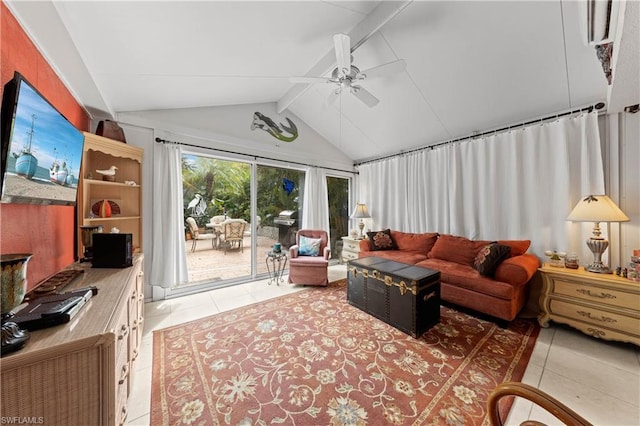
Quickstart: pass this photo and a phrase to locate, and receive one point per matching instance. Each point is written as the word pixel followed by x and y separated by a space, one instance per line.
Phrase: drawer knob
pixel 587 292
pixel 124 374
pixel 594 318
pixel 595 332
pixel 124 331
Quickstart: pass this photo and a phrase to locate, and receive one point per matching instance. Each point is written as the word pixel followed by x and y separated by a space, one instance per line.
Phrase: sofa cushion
pixel 460 250
pixel 466 277
pixel 309 246
pixel 421 243
pixel 409 257
pixel 518 270
pixel 312 261
pixel 489 257
pixel 381 240
pixel 518 247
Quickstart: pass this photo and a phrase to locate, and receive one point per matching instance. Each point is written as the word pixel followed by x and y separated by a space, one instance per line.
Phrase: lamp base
pixel 598 268
pixel 597 245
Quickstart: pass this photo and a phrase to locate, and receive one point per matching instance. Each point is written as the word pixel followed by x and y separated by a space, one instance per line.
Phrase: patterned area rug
pixel 310 358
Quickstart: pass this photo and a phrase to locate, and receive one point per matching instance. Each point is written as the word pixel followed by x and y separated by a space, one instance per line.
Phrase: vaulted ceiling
pixel 471 66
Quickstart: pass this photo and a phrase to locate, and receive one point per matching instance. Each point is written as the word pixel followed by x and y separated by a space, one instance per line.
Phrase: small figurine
pixel 109 174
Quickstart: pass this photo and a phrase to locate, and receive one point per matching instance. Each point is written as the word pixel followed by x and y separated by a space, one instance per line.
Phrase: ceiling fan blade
pixel 342 45
pixel 389 68
pixel 309 80
pixel 365 96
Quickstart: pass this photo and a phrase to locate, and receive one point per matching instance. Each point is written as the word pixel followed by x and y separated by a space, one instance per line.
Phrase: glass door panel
pixel 214 191
pixel 278 207
pixel 338 193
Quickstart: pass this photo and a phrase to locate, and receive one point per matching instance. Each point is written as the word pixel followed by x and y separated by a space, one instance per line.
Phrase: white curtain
pixel 169 258
pixel 520 184
pixel 315 207
pixel 383 188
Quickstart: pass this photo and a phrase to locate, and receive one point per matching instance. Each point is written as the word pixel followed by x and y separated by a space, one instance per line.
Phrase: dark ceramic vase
pixel 12 291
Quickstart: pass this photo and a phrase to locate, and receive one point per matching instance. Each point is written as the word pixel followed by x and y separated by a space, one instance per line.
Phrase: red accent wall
pixel 45 231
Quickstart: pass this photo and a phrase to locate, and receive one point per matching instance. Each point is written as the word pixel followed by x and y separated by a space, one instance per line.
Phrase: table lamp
pixel 360 212
pixel 596 209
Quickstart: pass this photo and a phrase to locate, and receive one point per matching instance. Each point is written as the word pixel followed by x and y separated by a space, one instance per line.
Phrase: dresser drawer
pixel 593 293
pixel 351 245
pixel 347 255
pixel 596 317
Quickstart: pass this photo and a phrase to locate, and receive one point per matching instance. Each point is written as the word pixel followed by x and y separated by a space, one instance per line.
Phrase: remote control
pixel 62 306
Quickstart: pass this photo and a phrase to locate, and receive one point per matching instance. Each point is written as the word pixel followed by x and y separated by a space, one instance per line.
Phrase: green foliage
pixel 223 184
pixel 272 198
pixel 226 188
pixel 338 193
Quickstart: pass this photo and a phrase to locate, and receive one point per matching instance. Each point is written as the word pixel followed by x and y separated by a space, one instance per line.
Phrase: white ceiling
pixel 471 66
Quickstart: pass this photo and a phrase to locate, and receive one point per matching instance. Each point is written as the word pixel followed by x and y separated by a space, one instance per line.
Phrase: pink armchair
pixel 306 269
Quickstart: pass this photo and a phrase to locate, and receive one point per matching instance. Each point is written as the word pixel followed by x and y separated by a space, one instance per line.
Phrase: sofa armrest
pixel 293 251
pixel 518 270
pixel 364 245
pixel 326 253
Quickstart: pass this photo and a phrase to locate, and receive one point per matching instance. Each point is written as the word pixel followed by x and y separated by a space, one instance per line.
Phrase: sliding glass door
pixel 267 199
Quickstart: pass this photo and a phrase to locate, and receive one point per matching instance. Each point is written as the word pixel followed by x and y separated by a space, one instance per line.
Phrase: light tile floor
pixel 598 379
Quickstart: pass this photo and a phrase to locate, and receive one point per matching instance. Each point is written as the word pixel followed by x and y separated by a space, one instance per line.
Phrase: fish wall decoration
pixel 261 121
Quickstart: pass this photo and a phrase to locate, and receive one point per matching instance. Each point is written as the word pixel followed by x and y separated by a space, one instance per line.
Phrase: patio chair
pixel 309 258
pixel 540 398
pixel 233 234
pixel 196 235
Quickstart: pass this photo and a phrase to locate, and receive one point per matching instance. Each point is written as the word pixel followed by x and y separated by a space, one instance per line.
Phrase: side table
pixel 601 305
pixel 350 249
pixel 276 264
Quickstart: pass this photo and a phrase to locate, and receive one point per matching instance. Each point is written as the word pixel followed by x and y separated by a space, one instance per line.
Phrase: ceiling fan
pixel 346 75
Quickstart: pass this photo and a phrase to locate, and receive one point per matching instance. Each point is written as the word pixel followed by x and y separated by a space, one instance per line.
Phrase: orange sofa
pixel 501 295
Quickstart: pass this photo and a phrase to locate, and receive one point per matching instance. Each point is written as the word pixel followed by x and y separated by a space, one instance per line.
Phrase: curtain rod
pixel 253 156
pixel 589 108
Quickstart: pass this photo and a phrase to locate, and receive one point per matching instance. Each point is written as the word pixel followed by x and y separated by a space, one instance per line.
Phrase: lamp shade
pixel 597 208
pixel 360 211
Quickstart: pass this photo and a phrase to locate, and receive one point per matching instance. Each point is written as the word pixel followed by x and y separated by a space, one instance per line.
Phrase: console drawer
pixel 593 293
pixel 596 317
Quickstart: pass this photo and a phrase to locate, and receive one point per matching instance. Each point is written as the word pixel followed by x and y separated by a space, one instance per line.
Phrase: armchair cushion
pixel 309 246
pixel 310 270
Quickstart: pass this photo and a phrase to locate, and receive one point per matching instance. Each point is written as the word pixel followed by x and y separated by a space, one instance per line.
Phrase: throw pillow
pixel 489 257
pixel 456 249
pixel 381 240
pixel 309 246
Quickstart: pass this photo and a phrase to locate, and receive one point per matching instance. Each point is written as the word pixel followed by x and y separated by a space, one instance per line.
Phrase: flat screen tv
pixel 41 149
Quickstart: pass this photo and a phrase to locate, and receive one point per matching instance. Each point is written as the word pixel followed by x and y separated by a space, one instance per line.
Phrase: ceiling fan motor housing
pixel 336 75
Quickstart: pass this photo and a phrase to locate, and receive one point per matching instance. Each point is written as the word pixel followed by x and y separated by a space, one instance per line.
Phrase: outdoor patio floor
pixel 207 264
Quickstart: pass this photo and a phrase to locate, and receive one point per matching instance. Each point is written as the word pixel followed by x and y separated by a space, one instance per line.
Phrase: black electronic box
pixel 112 250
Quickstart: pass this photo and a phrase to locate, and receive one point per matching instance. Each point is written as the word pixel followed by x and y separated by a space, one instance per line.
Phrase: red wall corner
pixel 48 232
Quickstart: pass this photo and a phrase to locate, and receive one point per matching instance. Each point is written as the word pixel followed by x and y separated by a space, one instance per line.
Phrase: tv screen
pixel 41 149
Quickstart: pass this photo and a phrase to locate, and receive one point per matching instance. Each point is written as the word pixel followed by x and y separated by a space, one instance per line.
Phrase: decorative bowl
pixel 14 281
